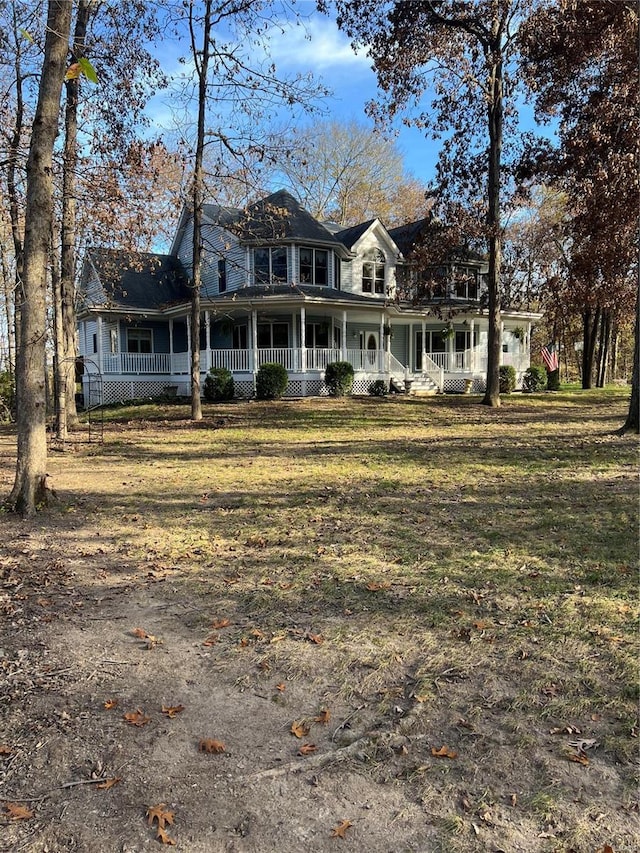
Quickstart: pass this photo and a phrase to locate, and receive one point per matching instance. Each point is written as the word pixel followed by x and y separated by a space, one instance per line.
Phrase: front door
pixel 372 346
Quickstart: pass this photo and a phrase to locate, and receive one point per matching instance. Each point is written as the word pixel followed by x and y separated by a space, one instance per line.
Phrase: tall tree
pixel 465 49
pixel 582 64
pixel 29 488
pixel 347 172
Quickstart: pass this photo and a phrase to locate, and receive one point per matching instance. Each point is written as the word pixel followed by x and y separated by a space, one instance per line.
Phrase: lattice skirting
pixel 458 385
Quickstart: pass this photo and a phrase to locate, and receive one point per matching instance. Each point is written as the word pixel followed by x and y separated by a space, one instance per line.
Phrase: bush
pixel 338 378
pixel 271 381
pixel 507 378
pixel 218 385
pixel 553 380
pixel 378 388
pixel 7 396
pixel 534 379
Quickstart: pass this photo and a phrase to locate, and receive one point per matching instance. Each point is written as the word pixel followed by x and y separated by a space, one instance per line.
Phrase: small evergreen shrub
pixel 218 385
pixel 553 380
pixel 378 388
pixel 271 381
pixel 534 379
pixel 507 378
pixel 7 396
pixel 338 378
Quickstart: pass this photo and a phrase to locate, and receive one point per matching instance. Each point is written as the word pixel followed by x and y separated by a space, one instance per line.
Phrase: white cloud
pixel 315 45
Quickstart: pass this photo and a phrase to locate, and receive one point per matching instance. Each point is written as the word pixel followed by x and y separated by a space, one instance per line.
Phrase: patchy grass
pixel 430 567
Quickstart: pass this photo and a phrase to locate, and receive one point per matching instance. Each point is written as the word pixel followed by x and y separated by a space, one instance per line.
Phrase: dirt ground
pixel 91 632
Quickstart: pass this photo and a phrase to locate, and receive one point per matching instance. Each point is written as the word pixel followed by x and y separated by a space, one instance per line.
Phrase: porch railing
pixel 136 362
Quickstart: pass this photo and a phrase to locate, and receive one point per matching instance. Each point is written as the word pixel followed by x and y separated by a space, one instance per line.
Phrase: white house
pixel 279 286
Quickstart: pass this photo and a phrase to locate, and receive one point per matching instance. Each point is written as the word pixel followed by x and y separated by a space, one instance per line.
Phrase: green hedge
pixel 534 379
pixel 338 378
pixel 271 381
pixel 218 385
pixel 507 378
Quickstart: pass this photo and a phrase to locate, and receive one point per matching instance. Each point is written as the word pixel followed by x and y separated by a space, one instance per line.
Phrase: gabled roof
pixel 280 216
pixel 136 280
pixel 349 236
pixel 406 236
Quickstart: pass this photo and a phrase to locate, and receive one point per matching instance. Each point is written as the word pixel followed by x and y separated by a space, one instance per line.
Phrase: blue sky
pixel 321 48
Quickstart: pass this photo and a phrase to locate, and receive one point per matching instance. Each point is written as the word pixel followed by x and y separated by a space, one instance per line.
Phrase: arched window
pixel 373 271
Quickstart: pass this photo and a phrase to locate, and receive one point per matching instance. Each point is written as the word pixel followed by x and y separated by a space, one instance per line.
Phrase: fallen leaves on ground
pixel 211 745
pixel 578 757
pixel 17 812
pixel 108 783
pixel 281 687
pixel 217 624
pixel 374 586
pixel 159 814
pixel 340 830
pixel 136 718
pixel 307 749
pixel 110 704
pixel 323 717
pixel 5 750
pixel 299 728
pixel 172 710
pixel 150 640
pixel 163 838
pixel 316 639
pixel 443 752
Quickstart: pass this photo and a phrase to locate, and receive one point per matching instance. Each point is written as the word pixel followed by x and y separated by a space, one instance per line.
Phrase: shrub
pixel 338 378
pixel 553 380
pixel 218 385
pixel 507 378
pixel 7 396
pixel 271 381
pixel 378 388
pixel 534 379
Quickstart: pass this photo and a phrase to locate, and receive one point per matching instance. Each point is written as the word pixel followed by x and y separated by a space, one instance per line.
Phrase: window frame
pixel 264 274
pixel 375 284
pixel 314 269
pixel 134 333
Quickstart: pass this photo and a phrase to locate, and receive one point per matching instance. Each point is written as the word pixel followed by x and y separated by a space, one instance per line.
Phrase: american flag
pixel 550 357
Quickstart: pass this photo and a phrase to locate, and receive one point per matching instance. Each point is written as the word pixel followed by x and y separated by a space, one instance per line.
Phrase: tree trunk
pixel 495 118
pixel 589 326
pixel 603 348
pixel 29 489
pixel 201 59
pixel 68 254
pixel 632 423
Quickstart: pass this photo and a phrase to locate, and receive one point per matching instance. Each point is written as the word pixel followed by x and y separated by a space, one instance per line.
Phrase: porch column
pixel 410 336
pixel 381 344
pixel 423 354
pixel 171 345
pixel 527 346
pixel 189 344
pixel 254 342
pixel 207 338
pixel 451 350
pixel 344 336
pixel 99 342
pixel 303 339
pixel 501 340
pixel 472 357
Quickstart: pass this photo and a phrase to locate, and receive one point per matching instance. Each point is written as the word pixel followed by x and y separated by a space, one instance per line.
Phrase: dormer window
pixel 466 283
pixel 373 271
pixel 314 264
pixel 270 265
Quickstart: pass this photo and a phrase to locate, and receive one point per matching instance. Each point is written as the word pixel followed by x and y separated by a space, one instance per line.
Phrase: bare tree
pixel 29 490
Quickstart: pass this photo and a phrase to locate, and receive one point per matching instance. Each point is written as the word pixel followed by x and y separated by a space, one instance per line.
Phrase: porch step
pixel 397 386
pixel 423 387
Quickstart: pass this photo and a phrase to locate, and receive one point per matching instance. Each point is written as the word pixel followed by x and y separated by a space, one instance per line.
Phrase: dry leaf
pixel 443 752
pixel 108 783
pixel 73 72
pixel 514 800
pixel 5 750
pixel 257 633
pixel 162 836
pixel 140 633
pixel 211 746
pixel 323 717
pixel 307 749
pixel 110 704
pixel 211 640
pixel 172 710
pixel 299 728
pixel 217 624
pixel 282 686
pixel 158 813
pixel 17 812
pixel 264 665
pixel 136 718
pixel 340 830
pixel 318 639
pixel 373 586
pixel 578 757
